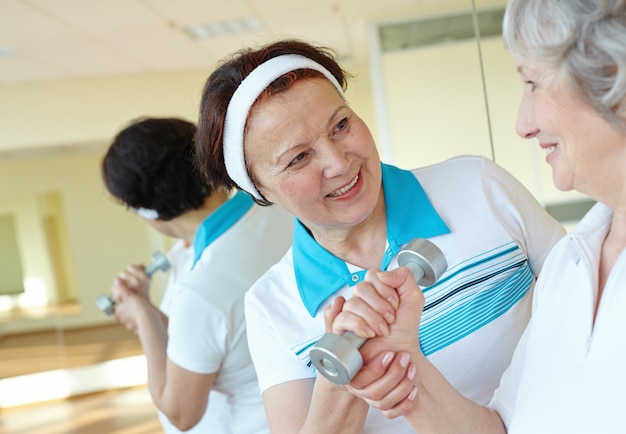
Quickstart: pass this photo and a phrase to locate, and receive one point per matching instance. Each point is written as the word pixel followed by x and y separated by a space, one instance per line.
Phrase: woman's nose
pixel 525 126
pixel 335 159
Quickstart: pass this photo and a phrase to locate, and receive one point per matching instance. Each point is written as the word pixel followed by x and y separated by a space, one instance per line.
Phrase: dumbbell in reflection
pixel 337 357
pixel 159 262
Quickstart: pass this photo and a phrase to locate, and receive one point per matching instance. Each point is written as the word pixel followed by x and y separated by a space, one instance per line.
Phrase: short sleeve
pixel 197 334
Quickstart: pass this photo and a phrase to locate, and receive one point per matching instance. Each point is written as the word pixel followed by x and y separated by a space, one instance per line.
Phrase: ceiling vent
pixel 412 34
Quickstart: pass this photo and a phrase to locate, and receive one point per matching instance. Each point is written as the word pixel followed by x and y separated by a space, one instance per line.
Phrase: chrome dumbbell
pixel 337 357
pixel 159 262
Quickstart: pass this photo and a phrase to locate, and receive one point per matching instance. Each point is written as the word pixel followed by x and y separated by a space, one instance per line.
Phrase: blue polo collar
pixel 319 273
pixel 219 221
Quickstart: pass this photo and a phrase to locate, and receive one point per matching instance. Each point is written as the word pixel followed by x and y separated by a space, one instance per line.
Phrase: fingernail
pixel 387 359
pixel 393 302
pixel 413 394
pixel 405 358
pixel 412 372
pixel 389 317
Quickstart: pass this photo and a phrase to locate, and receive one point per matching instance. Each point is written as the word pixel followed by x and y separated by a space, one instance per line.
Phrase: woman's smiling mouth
pixel 343 190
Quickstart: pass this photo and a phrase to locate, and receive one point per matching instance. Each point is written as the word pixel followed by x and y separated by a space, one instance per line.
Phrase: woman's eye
pixel 531 84
pixel 341 124
pixel 340 127
pixel 298 159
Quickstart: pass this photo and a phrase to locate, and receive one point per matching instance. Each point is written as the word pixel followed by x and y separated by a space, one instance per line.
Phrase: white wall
pixel 437 109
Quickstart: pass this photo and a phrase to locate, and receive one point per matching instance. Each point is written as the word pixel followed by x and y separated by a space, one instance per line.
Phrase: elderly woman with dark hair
pixel 195 340
pixel 275 122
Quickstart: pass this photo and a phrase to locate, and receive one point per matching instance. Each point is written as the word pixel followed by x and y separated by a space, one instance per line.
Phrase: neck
pixel 362 245
pixel 187 223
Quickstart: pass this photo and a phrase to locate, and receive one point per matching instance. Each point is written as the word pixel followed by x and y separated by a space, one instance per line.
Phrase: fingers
pixel 134 276
pixel 370 310
pixel 399 278
pixel 126 315
pixel 118 290
pixel 331 311
pixel 386 295
pixel 411 296
pixel 135 279
pixel 373 370
pixel 386 383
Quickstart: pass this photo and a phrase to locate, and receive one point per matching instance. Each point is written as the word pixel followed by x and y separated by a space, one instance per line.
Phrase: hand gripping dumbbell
pixel 159 262
pixel 336 356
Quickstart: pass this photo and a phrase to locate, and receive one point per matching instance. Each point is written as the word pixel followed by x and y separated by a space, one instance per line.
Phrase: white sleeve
pixel 505 396
pixel 197 334
pixel 273 362
pixel 521 214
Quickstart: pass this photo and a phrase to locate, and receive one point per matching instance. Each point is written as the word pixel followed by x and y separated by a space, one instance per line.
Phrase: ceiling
pixel 65 39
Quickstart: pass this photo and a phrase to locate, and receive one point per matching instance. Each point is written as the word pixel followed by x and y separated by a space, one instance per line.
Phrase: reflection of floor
pixel 40 351
pixel 126 411
pixel 34 368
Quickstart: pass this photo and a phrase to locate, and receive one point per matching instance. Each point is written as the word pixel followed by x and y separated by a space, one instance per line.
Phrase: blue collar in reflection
pixel 219 221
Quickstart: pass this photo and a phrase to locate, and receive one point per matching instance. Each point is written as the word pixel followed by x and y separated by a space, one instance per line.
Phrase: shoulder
pixel 457 169
pixel 278 282
pixel 454 176
pixel 271 223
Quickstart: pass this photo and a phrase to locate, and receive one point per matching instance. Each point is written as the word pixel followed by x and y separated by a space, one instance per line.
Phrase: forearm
pixel 334 410
pixel 313 406
pixel 152 334
pixel 440 409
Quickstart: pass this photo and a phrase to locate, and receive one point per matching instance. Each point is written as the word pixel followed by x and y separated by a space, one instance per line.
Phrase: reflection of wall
pixel 53 220
pixel 11 276
pixel 74 125
pixel 39 241
pixel 101 236
pixel 33 252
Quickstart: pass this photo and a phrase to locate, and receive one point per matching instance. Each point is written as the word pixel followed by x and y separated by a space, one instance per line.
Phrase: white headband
pixel 148 214
pixel 243 99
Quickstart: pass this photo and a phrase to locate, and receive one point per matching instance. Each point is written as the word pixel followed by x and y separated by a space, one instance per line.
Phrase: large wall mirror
pixel 62 241
pixel 441 85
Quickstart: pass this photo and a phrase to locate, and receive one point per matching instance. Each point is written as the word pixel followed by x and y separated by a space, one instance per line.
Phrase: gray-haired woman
pixel 567 374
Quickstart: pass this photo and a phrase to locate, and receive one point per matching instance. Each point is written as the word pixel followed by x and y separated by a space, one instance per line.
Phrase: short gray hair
pixel 584 39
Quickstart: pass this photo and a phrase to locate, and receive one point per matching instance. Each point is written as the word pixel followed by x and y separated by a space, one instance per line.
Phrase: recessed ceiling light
pixel 223 28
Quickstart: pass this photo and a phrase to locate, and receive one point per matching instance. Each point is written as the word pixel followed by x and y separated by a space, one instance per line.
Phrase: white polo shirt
pixel 216 418
pixel 494 236
pixel 233 247
pixel 568 374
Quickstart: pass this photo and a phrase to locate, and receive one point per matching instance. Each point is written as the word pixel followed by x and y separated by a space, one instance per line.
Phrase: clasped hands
pixel 130 290
pixel 386 307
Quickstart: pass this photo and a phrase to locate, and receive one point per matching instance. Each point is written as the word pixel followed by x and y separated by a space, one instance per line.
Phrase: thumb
pixel 331 311
pixel 400 278
pixel 408 290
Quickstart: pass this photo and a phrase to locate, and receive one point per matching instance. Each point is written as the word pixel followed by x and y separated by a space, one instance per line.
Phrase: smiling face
pixel 309 153
pixel 586 152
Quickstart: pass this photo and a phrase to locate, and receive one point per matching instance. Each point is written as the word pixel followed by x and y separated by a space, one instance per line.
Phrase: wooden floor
pixel 125 411
pixel 128 411
pixel 28 353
